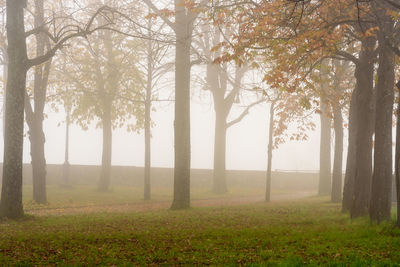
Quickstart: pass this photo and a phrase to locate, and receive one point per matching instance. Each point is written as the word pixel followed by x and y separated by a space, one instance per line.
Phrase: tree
pixel 374 19
pixel 337 174
pixel 109 88
pixel 19 64
pixel 185 14
pixel 11 195
pixel 284 111
pixel 324 186
pixel 381 199
pixel 348 189
pixel 154 69
pixel 341 83
pixel 299 40
pixel 66 165
pixel 225 89
pixel 35 114
pixel 335 79
pixel 397 158
pixel 364 74
pixel 269 151
pixel 389 43
pixel 62 94
pixel 3 59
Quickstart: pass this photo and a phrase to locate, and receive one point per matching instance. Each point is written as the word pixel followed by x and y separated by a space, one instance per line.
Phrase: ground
pixel 230 230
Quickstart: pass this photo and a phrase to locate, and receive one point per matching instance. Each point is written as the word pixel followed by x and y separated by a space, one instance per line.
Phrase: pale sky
pixel 246 142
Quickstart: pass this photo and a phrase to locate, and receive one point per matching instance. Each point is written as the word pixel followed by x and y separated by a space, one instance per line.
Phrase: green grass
pixel 309 232
pixel 60 197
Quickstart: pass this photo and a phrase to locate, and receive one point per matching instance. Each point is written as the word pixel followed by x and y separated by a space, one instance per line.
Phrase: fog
pixel 199 133
pixel 246 141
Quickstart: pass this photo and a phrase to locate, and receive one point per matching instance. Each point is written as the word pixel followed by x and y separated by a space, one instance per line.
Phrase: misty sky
pixel 246 142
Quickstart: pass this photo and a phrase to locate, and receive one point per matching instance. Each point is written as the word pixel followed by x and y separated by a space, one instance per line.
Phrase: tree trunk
pixel 219 175
pixel 270 148
pixel 183 30
pixel 105 175
pixel 37 139
pixel 364 93
pixel 216 80
pixel 397 158
pixel 348 189
pixel 324 187
pixel 11 196
pixel 337 176
pixel 66 167
pixel 5 75
pixel 394 192
pixel 35 117
pixel 381 191
pixel 147 152
pixel 147 125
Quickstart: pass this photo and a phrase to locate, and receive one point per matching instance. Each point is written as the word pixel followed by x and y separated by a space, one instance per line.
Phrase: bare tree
pixel 183 27
pixel 35 111
pixel 19 64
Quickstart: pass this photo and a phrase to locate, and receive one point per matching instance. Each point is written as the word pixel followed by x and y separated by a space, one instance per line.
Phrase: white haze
pixel 246 142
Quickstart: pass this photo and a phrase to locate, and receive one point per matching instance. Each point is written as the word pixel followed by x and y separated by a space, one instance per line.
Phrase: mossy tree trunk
pixel 364 92
pixel 183 31
pixel 397 159
pixel 11 193
pixel 381 190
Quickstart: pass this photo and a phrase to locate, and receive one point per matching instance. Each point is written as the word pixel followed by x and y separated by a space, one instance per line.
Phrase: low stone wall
pixel 133 176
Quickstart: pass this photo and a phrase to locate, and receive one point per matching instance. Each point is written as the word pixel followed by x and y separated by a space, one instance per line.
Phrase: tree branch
pixel 348 56
pixel 150 4
pixel 60 43
pixel 244 113
pixel 28 110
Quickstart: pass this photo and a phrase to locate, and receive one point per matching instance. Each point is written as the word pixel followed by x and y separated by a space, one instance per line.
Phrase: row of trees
pixel 106 71
pixel 306 52
pixel 303 36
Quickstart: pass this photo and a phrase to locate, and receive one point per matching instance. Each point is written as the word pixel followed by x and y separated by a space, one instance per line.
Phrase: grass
pixel 86 195
pixel 308 232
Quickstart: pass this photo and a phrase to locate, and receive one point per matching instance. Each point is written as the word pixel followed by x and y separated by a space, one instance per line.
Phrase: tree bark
pixel 183 30
pixel 147 124
pixel 35 117
pixel 381 191
pixel 348 189
pixel 364 93
pixel 219 174
pixel 394 191
pixel 217 81
pixel 105 175
pixel 217 78
pixel 37 139
pixel 66 166
pixel 337 176
pixel 5 75
pixel 11 196
pixel 324 187
pixel 270 148
pixel 397 158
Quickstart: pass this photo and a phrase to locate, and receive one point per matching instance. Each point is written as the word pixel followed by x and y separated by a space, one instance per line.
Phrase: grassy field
pixel 310 231
pixel 88 195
